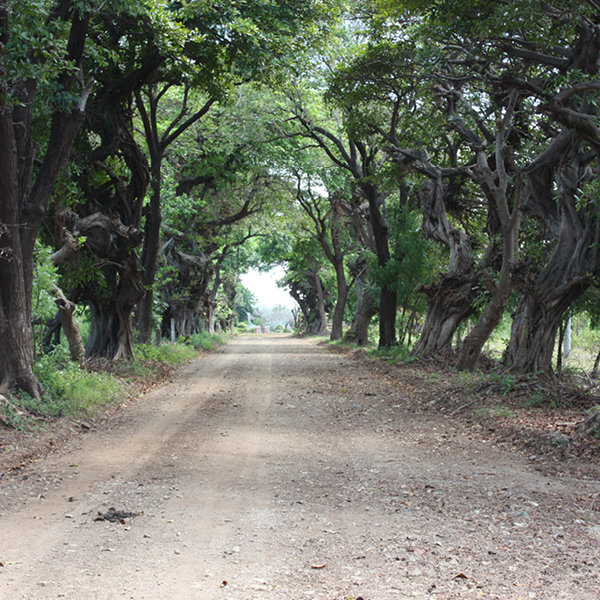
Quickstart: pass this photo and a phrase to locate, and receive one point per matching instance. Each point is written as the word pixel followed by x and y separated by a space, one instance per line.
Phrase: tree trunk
pixel 24 195
pixel 150 254
pixel 321 328
pixel 561 339
pixel 16 349
pixel 51 337
pixel 472 345
pixel 388 299
pixel 157 145
pixel 111 333
pixel 450 302
pixel 571 269
pixel 211 299
pixel 594 373
pixel 210 316
pixel 470 349
pixel 182 322
pixel 540 312
pixel 337 324
pixel 388 302
pixel 70 326
pixel 536 322
pixel 104 330
pixel 337 259
pixel 366 307
pixel 113 244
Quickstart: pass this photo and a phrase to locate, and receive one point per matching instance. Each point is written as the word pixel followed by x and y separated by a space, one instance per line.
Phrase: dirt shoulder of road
pixel 42 436
pixel 531 416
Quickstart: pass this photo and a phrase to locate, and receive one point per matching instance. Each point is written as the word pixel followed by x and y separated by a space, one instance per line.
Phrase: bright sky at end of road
pixel 265 290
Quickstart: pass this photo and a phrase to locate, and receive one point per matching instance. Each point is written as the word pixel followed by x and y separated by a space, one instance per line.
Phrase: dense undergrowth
pixel 70 391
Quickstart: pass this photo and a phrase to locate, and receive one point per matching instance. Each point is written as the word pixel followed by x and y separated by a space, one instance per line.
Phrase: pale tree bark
pixel 66 308
pixel 366 306
pixel 498 184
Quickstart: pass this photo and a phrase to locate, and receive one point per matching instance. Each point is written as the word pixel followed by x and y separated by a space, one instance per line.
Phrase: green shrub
pixel 496 411
pixel 536 400
pixel 392 354
pixel 165 353
pixel 205 341
pixel 68 389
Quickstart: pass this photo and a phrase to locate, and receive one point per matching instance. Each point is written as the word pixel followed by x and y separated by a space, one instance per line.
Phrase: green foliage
pixel 536 400
pixel 68 389
pixel 245 303
pixel 589 303
pixel 169 354
pixel 44 277
pixel 502 412
pixel 259 321
pixel 505 384
pixel 36 42
pixel 410 264
pixel 205 341
pixel 392 354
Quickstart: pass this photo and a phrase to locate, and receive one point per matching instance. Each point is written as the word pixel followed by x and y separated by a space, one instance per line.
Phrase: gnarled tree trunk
pixel 66 308
pixel 337 322
pixel 450 299
pixel 366 308
pixel 185 292
pixel 113 244
pixel 499 184
pixel 570 270
pixel 539 314
pixel 311 297
pixel 111 332
pixel 449 303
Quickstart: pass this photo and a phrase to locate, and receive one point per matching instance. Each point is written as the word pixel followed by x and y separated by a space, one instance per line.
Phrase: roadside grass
pixel 69 391
pixel 206 341
pixel 170 354
pixel 393 354
pixel 503 412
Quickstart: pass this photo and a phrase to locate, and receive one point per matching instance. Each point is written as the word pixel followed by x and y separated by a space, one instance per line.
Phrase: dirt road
pixel 279 470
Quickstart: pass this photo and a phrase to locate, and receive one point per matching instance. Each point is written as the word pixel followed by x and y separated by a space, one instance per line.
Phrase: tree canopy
pixel 417 163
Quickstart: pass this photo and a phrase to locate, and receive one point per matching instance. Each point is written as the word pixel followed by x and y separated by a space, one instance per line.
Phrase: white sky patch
pixel 264 287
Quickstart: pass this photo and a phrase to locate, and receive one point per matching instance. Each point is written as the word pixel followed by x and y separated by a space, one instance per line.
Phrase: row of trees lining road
pixel 428 162
pixel 83 67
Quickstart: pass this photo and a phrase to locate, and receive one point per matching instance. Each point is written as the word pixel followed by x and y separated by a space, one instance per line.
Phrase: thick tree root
pixel 19 411
pixel 589 427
